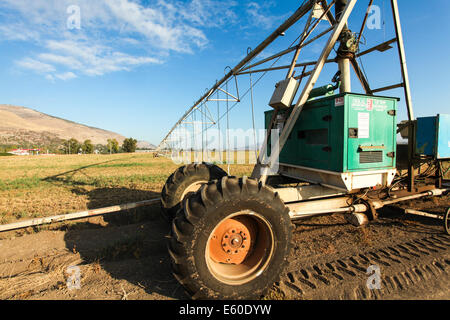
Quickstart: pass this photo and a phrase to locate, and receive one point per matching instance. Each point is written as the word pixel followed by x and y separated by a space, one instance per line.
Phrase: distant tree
pixel 129 145
pixel 87 147
pixel 71 146
pixel 113 146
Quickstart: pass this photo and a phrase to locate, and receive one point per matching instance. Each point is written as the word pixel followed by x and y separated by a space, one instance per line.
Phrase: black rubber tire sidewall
pixel 446 218
pixel 180 180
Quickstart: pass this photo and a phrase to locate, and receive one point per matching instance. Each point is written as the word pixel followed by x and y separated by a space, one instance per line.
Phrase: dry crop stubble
pixel 39 186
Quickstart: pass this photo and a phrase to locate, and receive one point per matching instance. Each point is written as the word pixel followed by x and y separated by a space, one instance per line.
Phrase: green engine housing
pixel 342 133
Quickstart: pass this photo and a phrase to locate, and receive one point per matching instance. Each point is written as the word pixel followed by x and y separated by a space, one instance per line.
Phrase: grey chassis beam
pixel 304 9
pixel 262 172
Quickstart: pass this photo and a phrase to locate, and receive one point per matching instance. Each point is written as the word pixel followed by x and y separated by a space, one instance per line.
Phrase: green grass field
pixel 49 185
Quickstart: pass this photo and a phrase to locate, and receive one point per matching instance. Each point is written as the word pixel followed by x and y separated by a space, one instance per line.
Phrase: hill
pixel 145 145
pixel 24 126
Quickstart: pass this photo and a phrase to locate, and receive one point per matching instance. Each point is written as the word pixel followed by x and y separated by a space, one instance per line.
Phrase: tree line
pixel 73 146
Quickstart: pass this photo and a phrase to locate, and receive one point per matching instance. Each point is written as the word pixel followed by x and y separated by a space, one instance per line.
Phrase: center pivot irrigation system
pixel 336 153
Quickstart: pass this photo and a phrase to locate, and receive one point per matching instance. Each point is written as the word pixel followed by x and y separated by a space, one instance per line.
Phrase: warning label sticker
pixel 339 101
pixel 363 125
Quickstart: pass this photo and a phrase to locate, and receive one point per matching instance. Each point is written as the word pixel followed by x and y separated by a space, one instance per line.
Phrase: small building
pixel 25 152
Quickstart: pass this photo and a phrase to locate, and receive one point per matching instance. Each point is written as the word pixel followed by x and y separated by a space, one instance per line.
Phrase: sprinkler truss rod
pixel 76 215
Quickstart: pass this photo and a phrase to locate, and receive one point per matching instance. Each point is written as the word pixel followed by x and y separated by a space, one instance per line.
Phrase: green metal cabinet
pixel 342 133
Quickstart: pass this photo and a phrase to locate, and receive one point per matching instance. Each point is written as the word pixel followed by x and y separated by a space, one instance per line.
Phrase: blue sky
pixel 134 66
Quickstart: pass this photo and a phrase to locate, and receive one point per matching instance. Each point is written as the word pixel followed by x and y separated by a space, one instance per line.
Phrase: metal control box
pixel 433 136
pixel 284 94
pixel 341 134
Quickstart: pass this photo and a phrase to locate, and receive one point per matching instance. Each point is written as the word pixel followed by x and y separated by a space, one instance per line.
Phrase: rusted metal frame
pixel 402 56
pixel 304 9
pixel 364 22
pixel 394 86
pixel 377 47
pixel 306 91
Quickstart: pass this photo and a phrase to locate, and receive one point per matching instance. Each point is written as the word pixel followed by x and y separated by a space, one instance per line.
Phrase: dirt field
pixel 124 256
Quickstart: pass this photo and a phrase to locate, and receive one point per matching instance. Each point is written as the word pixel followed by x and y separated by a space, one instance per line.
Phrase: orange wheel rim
pixel 231 242
pixel 240 248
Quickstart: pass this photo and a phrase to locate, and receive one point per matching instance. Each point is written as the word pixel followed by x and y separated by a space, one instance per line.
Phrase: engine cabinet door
pixel 371 133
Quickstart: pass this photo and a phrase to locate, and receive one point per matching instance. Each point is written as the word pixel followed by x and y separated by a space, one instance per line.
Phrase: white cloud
pixel 169 25
pixel 115 35
pixel 17 31
pixel 68 61
pixel 35 65
pixel 258 16
pixel 66 76
pixel 93 60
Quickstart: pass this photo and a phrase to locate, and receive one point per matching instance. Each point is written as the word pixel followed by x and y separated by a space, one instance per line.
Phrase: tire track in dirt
pixel 418 265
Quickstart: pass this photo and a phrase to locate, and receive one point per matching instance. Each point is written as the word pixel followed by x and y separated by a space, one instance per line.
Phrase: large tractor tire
pixel 186 180
pixel 447 222
pixel 230 240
